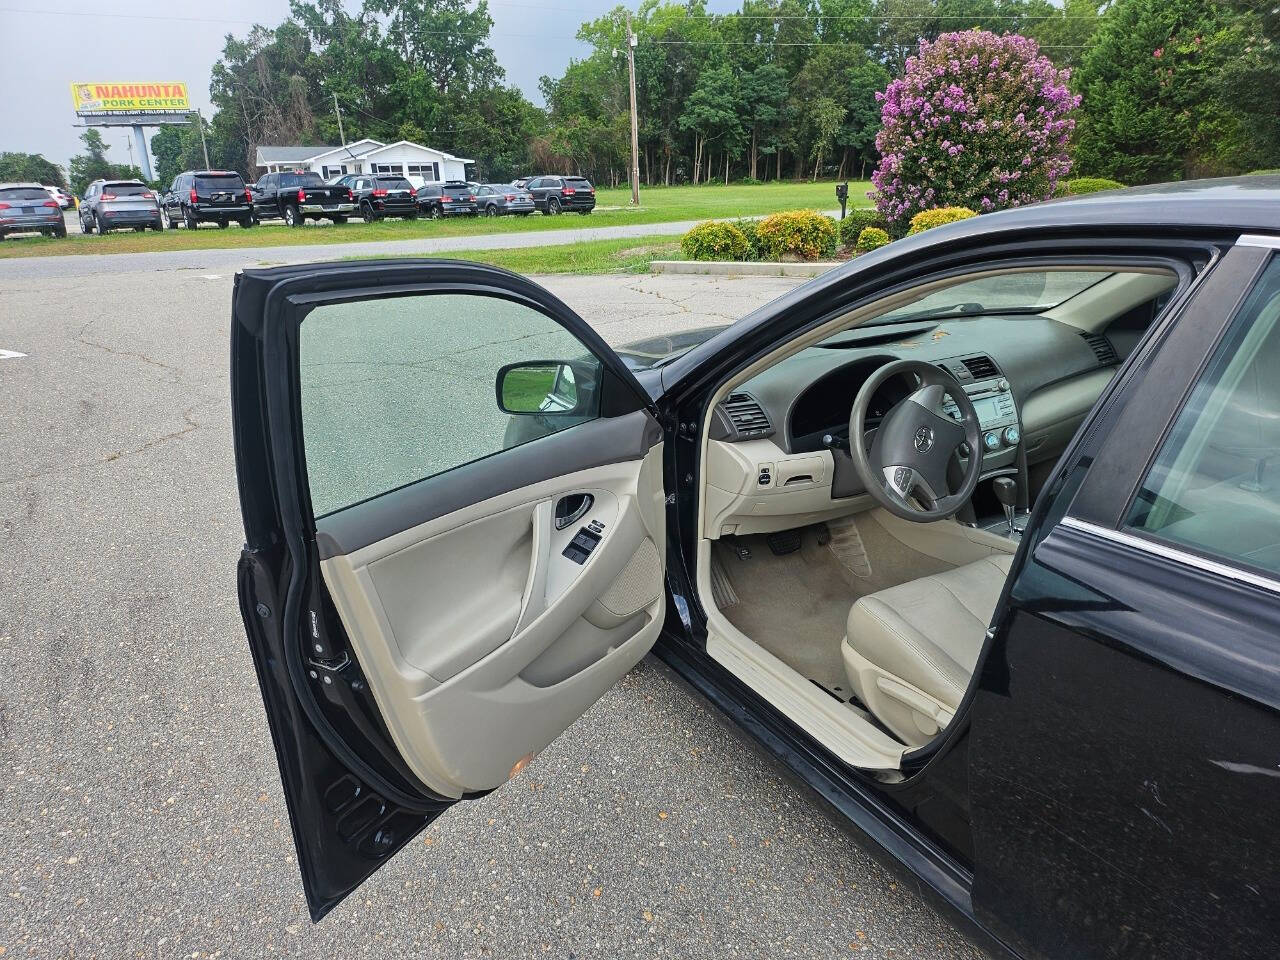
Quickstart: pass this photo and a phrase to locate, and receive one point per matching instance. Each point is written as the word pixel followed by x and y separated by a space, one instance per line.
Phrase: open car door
pixel 454 523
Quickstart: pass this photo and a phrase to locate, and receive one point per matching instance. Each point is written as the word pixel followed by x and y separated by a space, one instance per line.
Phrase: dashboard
pixel 778 453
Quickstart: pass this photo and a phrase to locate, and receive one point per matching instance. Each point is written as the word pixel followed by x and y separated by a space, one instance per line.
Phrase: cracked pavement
pixel 140 805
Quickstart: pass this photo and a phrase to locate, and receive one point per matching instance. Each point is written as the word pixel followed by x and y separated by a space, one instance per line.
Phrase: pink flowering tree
pixel 978 121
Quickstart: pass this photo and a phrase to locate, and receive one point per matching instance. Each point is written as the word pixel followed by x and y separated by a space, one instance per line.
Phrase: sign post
pixel 135 105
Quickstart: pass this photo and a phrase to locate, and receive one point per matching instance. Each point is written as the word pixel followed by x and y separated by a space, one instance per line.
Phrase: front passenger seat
pixel 911 649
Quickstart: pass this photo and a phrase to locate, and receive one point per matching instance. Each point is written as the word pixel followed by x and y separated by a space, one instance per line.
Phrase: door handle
pixel 534 600
pixel 571 509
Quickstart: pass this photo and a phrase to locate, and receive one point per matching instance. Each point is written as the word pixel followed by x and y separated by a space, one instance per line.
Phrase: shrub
pixel 715 240
pixel 1083 185
pixel 857 220
pixel 803 233
pixel 976 120
pixel 1263 173
pixel 870 238
pixel 750 182
pixel 928 219
pixel 750 228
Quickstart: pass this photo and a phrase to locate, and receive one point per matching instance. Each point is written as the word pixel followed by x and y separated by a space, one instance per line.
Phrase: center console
pixel 993 401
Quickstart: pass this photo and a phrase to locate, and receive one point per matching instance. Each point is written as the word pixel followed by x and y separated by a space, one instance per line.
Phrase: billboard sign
pixel 104 100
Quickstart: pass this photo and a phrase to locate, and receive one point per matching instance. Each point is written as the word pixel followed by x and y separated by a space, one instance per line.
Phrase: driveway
pixel 140 807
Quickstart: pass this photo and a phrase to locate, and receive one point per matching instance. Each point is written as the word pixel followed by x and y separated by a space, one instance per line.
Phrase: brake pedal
pixel 784 542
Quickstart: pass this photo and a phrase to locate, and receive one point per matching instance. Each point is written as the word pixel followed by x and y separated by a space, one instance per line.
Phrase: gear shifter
pixel 1006 491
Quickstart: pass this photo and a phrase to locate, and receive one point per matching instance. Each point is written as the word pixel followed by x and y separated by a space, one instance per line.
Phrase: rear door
pixel 220 189
pixel 454 522
pixel 1125 742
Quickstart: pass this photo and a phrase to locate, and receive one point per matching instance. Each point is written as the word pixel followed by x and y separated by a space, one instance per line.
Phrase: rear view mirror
pixel 545 387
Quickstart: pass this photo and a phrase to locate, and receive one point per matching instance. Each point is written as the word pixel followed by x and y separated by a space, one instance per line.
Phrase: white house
pixel 418 163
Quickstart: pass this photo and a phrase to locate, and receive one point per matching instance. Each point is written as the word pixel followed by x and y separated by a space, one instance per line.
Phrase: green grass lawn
pixel 657 205
pixel 630 255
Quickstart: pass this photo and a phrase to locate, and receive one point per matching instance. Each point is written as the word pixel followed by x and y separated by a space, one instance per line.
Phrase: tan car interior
pixel 474 673
pixel 866 628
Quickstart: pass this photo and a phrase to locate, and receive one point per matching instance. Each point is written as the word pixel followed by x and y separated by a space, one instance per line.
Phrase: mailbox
pixel 842 194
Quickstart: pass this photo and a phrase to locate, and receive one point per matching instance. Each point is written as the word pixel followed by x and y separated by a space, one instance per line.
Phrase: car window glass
pixel 1215 484
pixel 11 194
pixel 395 390
pixel 219 182
pixel 128 189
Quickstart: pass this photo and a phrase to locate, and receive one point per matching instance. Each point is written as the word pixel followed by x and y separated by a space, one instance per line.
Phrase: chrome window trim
pixel 1258 240
pixel 1167 552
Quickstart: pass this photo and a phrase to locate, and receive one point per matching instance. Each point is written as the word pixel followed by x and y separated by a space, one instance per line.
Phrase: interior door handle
pixel 571 509
pixel 535 588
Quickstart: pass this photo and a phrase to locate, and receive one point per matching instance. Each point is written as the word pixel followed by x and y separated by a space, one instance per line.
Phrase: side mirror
pixel 541 387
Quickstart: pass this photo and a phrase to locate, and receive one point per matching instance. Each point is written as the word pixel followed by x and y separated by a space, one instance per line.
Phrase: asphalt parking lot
pixel 140 806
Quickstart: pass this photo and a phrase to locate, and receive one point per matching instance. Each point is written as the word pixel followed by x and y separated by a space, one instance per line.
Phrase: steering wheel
pixel 914 444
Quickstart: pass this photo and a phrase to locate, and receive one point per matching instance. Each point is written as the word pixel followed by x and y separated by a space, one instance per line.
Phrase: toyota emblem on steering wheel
pixel 923 440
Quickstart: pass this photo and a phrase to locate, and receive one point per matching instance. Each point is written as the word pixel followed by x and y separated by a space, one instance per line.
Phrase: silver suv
pixel 28 208
pixel 110 204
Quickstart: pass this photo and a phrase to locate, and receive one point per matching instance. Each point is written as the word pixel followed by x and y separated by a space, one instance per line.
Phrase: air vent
pixel 1102 349
pixel 746 415
pixel 981 367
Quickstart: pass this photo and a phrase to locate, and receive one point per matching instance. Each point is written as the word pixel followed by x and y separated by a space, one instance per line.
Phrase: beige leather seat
pixel 911 649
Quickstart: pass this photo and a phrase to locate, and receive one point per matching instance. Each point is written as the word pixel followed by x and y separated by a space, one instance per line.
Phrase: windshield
pixel 393 183
pixel 126 189
pixel 1031 292
pixel 301 180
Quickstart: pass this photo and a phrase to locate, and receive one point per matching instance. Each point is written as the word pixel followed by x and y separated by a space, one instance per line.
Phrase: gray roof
pixel 290 154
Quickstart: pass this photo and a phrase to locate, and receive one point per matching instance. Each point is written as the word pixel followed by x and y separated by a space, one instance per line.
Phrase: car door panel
pixel 1122 750
pixel 419 641
pixel 465 693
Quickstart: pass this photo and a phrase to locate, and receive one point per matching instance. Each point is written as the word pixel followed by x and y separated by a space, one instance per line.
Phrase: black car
pixel 208 196
pixel 978 533
pixel 553 195
pixel 452 198
pixel 296 196
pixel 378 197
pixel 497 199
pixel 28 208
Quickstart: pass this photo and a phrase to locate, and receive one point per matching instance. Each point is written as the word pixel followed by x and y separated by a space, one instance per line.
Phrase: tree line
pixel 778 89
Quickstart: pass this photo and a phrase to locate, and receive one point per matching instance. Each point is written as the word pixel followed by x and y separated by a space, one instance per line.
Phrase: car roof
pixel 1227 204
pixel 12 186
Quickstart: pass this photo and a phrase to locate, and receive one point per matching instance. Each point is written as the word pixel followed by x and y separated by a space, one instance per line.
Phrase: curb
pixel 732 268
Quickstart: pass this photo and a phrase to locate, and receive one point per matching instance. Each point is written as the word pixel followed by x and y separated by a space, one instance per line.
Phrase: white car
pixel 65 200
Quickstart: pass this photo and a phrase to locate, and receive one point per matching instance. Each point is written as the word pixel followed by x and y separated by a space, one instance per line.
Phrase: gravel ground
pixel 140 805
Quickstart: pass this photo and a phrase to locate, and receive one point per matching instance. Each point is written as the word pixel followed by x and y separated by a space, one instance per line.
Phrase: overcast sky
pixel 50 47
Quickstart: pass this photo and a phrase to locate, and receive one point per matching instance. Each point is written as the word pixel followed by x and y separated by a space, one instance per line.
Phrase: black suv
pixel 208 196
pixel 381 196
pixel 551 195
pixel 449 199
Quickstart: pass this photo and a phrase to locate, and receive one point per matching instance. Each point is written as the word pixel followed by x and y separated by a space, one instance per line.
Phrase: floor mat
pixel 796 606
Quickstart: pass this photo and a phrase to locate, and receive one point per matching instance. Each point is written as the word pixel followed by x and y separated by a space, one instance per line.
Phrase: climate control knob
pixel 1012 435
pixel 991 440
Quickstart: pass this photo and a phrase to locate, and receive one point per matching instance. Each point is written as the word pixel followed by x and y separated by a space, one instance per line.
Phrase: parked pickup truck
pixel 298 197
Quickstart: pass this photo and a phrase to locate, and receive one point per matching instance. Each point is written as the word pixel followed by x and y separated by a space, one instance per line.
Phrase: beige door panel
pixel 481 642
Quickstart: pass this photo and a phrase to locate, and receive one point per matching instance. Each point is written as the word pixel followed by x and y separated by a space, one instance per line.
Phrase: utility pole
pixel 338 113
pixel 635 122
pixel 203 146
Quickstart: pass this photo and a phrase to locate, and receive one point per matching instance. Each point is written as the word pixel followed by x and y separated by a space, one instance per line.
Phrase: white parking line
pixel 10 354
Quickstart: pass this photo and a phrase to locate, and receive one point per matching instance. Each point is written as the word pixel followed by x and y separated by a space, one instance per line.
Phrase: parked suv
pixel 554 194
pixel 495 199
pixel 208 196
pixel 27 208
pixel 381 196
pixel 449 199
pixel 111 204
pixel 65 200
